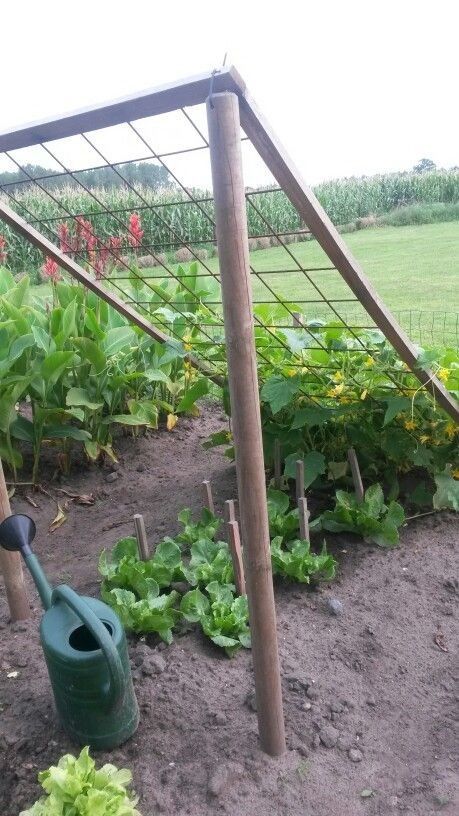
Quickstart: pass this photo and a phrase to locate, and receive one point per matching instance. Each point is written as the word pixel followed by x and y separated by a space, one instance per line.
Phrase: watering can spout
pixel 16 535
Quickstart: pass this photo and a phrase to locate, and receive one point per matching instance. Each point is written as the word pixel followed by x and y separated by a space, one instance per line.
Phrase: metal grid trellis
pixel 294 284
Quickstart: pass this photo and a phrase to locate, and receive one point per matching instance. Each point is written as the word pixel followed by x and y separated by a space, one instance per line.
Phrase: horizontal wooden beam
pixel 76 271
pixel 303 199
pixel 163 99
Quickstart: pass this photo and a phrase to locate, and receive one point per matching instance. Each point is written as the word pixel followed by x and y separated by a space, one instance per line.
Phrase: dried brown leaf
pixel 60 518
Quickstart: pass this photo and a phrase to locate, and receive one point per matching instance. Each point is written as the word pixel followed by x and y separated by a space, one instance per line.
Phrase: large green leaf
pixel 79 396
pixel 54 365
pixel 197 390
pixel 91 352
pixel 314 466
pixel 278 391
pixel 117 339
pixel 447 493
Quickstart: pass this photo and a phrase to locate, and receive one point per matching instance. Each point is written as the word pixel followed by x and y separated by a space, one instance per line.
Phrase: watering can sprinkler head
pixel 17 533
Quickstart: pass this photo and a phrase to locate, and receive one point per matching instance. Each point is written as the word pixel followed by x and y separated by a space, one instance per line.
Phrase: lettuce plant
pixel 224 618
pixel 372 519
pixel 74 787
pixel 297 562
pixel 282 521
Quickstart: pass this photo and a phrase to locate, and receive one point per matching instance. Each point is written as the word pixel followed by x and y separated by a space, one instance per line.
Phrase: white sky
pixel 352 87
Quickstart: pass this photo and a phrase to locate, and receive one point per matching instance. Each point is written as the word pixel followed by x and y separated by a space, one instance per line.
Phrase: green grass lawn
pixel 413 269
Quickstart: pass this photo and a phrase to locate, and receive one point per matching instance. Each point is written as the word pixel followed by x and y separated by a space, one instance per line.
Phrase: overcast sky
pixel 352 87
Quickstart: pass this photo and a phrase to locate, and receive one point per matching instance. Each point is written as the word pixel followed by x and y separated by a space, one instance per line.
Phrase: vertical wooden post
pixel 234 544
pixel 303 515
pixel 277 465
pixel 141 536
pixel 356 476
pixel 230 510
pixel 232 239
pixel 299 479
pixel 11 566
pixel 296 319
pixel 208 500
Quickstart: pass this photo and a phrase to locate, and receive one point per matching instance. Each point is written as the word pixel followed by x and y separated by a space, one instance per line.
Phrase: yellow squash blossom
pixel 424 438
pixel 338 377
pixel 336 391
pixel 443 374
pixel 455 473
pixel 369 362
pixel 410 424
pixel 451 429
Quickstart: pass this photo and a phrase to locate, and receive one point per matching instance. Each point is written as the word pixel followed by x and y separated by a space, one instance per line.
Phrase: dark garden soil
pixel 369 695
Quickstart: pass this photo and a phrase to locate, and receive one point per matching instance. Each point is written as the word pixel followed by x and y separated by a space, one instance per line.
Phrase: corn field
pixel 169 219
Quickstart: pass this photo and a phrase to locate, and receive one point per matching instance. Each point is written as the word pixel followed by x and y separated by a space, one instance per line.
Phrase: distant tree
pixel 424 165
pixel 135 173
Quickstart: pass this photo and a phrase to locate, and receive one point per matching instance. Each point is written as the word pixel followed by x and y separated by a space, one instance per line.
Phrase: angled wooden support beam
pixel 163 99
pixel 303 199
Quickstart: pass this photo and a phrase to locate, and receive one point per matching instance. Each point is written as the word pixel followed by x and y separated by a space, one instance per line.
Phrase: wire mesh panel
pixel 132 204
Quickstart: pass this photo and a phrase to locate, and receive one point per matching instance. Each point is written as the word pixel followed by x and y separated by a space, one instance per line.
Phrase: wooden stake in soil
pixel 299 477
pixel 232 241
pixel 356 477
pixel 277 465
pixel 230 510
pixel 141 536
pixel 297 319
pixel 234 544
pixel 208 499
pixel 303 514
pixel 11 566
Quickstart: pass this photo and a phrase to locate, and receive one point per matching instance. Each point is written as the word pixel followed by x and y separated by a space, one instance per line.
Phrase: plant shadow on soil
pixel 369 695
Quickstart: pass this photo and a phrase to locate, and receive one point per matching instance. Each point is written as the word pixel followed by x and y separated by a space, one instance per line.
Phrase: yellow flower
pixel 291 372
pixel 187 342
pixel 369 362
pixel 455 473
pixel 171 421
pixel 410 424
pixel 338 377
pixel 424 438
pixel 364 394
pixel 451 429
pixel 336 391
pixel 443 374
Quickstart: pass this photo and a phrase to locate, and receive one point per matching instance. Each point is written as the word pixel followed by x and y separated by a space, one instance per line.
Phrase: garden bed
pixel 375 683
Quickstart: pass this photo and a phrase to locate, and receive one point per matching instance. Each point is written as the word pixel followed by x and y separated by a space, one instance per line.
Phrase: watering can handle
pixel 99 632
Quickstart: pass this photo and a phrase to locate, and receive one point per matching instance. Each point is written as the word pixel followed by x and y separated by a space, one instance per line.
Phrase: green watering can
pixel 85 651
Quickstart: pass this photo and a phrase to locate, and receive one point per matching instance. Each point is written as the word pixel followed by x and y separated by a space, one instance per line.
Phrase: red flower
pixel 85 234
pixel 3 252
pixel 50 270
pixel 64 237
pixel 135 232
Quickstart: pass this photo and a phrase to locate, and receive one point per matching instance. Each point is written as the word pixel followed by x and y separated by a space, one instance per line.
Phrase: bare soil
pixel 370 695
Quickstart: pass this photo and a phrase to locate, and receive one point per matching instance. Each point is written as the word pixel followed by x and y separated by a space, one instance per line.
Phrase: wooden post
pixel 11 566
pixel 233 253
pixel 234 544
pixel 141 536
pixel 357 478
pixel 277 465
pixel 303 514
pixel 297 319
pixel 208 500
pixel 230 510
pixel 299 470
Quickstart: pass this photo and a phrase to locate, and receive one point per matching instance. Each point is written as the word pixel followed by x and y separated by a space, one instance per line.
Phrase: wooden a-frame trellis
pixel 229 106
